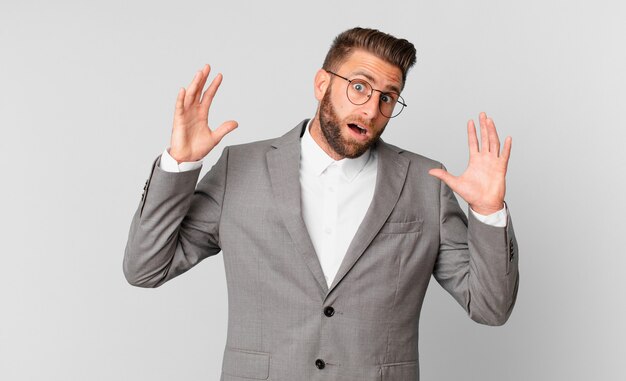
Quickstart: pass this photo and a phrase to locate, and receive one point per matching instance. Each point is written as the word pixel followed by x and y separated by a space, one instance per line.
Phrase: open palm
pixel 192 138
pixel 483 184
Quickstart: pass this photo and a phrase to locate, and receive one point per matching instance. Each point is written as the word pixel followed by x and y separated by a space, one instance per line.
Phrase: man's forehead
pixel 379 72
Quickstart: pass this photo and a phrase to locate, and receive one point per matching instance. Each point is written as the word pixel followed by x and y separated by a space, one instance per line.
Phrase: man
pixel 329 234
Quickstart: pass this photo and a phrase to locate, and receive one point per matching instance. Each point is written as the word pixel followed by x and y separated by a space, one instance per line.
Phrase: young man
pixel 329 234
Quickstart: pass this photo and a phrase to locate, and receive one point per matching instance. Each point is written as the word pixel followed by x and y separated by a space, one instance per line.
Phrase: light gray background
pixel 86 99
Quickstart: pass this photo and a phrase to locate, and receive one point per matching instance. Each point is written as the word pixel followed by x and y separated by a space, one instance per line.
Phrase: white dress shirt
pixel 335 198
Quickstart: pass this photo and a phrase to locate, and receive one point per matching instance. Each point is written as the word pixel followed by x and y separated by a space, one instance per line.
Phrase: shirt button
pixel 328 230
pixel 320 364
pixel 329 311
pixel 331 189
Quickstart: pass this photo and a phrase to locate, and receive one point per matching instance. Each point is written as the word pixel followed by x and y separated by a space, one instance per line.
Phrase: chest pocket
pixel 391 227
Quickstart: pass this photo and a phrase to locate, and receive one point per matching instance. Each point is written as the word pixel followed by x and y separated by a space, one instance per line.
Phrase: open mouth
pixel 357 129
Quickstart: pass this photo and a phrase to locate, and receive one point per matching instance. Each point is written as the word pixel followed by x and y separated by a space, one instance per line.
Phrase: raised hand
pixel 483 184
pixel 192 138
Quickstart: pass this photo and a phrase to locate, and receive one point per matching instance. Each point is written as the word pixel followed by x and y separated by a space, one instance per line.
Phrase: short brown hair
pixel 397 51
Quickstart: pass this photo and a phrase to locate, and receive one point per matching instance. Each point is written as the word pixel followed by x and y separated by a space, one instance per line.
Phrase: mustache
pixel 360 122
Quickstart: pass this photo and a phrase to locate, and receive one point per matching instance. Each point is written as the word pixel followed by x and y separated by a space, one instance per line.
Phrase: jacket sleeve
pixel 477 263
pixel 176 224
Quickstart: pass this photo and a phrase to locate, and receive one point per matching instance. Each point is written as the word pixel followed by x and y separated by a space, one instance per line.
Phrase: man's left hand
pixel 483 183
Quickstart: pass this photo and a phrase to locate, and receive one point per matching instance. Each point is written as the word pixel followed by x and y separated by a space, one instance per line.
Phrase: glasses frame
pixel 400 99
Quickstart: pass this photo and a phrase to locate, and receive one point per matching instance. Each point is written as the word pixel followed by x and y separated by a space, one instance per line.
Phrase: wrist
pixel 486 210
pixel 180 158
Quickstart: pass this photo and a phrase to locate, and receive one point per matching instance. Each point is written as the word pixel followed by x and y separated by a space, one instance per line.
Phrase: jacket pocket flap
pixel 408 370
pixel 246 364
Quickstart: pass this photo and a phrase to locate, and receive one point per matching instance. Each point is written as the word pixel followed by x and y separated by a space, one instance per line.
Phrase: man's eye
pixel 389 98
pixel 358 87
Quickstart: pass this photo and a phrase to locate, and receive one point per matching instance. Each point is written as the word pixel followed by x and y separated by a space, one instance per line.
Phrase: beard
pixel 331 128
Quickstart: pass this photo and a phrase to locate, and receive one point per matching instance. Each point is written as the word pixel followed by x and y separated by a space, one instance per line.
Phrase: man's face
pixel 351 129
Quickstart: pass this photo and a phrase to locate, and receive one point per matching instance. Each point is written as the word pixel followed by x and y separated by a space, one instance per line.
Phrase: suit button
pixel 329 311
pixel 320 364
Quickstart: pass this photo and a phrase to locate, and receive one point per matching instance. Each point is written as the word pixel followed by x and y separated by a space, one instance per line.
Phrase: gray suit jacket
pixel 284 322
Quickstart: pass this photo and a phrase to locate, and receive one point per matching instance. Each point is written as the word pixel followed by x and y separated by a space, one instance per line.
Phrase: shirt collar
pixel 315 160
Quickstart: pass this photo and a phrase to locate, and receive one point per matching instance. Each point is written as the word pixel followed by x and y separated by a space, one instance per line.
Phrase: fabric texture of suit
pixel 284 322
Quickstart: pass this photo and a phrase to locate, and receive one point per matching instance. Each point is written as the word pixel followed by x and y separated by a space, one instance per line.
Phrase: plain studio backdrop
pixel 87 95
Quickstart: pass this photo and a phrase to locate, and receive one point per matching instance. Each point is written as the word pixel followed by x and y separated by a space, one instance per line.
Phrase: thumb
pixel 224 129
pixel 443 175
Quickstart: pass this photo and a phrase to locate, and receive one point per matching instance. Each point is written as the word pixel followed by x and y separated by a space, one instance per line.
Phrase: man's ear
pixel 321 83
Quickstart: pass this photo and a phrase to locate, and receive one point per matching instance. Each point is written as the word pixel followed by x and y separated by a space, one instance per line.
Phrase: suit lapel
pixel 283 163
pixel 390 178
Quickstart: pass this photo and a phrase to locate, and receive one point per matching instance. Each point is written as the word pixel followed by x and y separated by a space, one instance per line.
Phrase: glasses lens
pixel 359 91
pixel 391 104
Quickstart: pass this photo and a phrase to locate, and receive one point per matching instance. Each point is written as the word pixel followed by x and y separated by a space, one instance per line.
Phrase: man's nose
pixel 370 108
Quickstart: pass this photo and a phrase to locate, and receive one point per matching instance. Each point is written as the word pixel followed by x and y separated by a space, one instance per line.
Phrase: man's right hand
pixel 192 138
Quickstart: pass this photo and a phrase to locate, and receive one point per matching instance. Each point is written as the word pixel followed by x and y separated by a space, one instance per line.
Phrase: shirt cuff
pixel 497 219
pixel 169 164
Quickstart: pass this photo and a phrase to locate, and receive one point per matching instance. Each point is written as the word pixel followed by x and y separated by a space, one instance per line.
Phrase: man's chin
pixel 353 149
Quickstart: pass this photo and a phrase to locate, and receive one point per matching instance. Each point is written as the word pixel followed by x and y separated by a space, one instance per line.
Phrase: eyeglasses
pixel 360 91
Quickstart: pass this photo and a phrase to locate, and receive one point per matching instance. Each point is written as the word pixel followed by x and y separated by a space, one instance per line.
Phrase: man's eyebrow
pixel 371 79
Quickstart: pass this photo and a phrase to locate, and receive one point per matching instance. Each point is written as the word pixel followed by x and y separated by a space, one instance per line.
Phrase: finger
pixel 484 136
pixel 506 150
pixel 224 129
pixel 444 176
pixel 179 108
pixel 205 75
pixel 192 88
pixel 207 97
pixel 472 139
pixel 494 140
